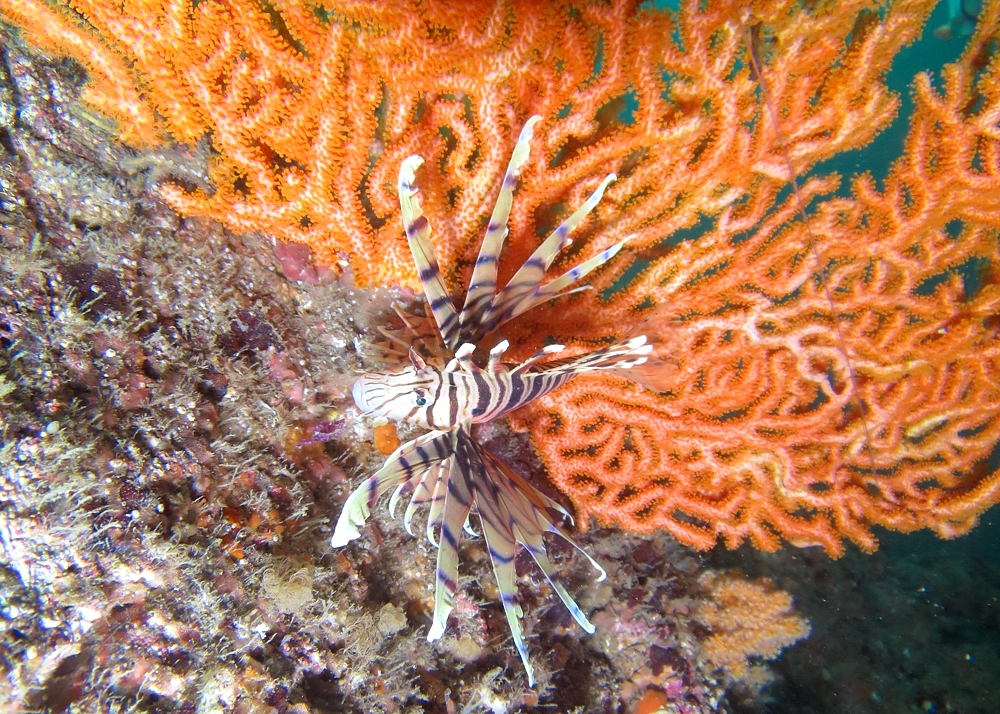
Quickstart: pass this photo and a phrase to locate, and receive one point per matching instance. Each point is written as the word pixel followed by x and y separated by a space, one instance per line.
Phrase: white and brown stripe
pixel 446 469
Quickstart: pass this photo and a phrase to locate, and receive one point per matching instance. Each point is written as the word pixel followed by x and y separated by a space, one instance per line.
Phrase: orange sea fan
pixel 311 107
pixel 763 432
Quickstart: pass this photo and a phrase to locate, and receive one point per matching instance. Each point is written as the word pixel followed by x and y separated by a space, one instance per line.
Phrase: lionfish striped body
pixel 446 468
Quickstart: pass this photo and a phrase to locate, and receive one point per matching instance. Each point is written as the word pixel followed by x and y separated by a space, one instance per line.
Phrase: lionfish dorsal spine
pixel 485 309
pixel 464 356
pixel 418 234
pixel 496 354
pixel 483 284
pixel 540 354
pixel 519 293
pixel 557 287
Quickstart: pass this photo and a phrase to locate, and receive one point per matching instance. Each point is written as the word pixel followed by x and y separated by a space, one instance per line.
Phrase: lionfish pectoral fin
pixel 436 513
pixel 514 512
pixel 394 499
pixel 469 529
pixel 502 547
pixel 405 466
pixel 354 515
pixel 426 491
pixel 536 498
pixel 418 234
pixel 514 613
pixel 536 547
pixel 482 286
pixel 531 522
pixel 466 470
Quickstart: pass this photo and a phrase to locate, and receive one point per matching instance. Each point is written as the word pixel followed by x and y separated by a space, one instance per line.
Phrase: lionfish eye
pixel 420 398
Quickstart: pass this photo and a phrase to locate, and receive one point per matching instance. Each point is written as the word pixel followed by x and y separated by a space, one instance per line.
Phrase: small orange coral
pixel 385 437
pixel 748 619
pixel 652 701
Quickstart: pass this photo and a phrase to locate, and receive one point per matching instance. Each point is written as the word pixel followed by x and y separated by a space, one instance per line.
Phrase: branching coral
pixel 747 619
pixel 763 433
pixel 311 107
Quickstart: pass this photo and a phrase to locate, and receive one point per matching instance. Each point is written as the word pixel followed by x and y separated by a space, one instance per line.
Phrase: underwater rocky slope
pixel 178 434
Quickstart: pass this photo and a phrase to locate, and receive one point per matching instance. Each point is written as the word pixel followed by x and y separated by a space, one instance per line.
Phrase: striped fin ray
pixel 418 331
pixel 468 471
pixel 482 286
pixel 502 546
pixel 531 522
pixel 406 464
pixel 435 514
pixel 555 288
pixel 418 233
pixel 496 354
pixel 622 355
pixel 528 384
pixel 428 490
pixel 540 354
pixel 526 282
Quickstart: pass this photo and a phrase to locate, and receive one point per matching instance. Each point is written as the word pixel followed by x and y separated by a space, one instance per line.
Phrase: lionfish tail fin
pixel 482 287
pixel 418 234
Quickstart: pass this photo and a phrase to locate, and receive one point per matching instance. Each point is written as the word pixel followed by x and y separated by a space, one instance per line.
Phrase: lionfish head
pixel 399 395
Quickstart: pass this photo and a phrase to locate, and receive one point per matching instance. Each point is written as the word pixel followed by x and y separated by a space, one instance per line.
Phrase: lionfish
pixel 447 392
